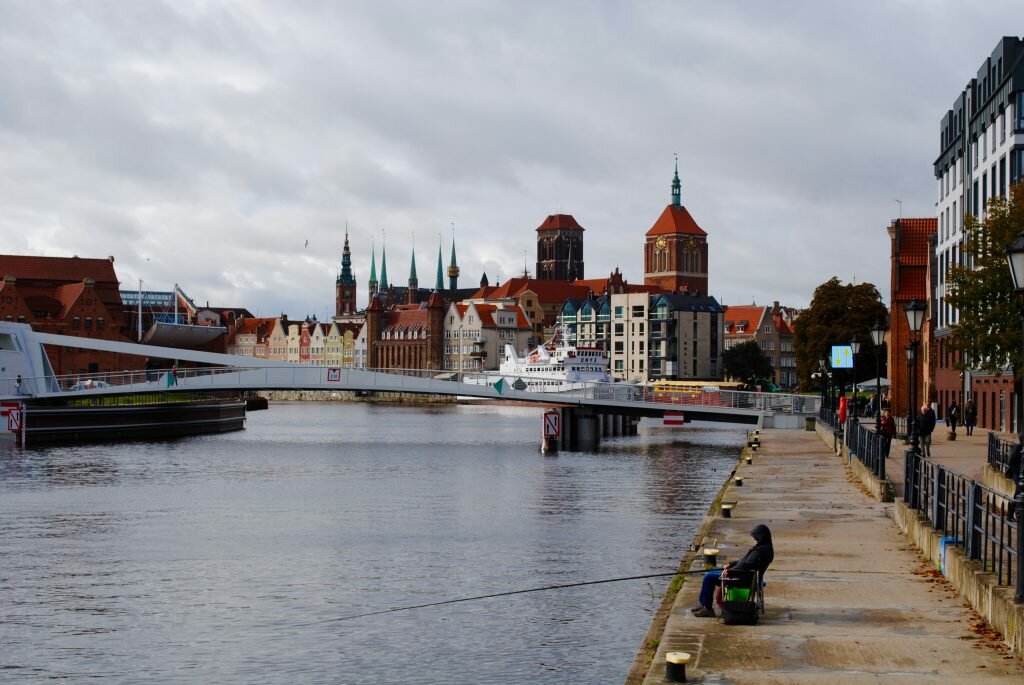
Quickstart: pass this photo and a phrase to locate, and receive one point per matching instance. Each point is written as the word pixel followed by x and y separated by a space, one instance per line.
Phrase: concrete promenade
pixel 849 599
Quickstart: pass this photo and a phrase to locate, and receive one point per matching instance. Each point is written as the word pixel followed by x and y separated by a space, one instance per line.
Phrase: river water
pixel 237 558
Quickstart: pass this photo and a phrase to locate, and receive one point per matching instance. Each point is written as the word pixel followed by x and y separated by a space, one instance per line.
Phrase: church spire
pixel 412 270
pixel 373 270
pixel 439 285
pixel 677 187
pixel 453 268
pixel 384 267
pixel 346 277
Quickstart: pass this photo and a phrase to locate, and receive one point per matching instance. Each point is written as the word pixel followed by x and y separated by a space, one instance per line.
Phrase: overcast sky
pixel 204 142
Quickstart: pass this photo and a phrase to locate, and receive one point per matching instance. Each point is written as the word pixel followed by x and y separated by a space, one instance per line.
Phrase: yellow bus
pixel 681 391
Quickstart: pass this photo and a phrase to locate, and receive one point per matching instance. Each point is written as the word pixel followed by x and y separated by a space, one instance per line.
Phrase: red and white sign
pixel 552 424
pixel 334 375
pixel 7 409
pixel 673 418
pixel 14 420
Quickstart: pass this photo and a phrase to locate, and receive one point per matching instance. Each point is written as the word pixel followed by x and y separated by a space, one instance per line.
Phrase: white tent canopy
pixel 873 383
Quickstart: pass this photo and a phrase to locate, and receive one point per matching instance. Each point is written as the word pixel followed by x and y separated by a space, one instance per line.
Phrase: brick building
pixel 910 253
pixel 67 296
pixel 676 249
pixel 405 336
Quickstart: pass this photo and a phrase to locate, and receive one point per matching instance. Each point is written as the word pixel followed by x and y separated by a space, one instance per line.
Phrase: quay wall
pixel 352 396
pixel 978 587
pixel 645 656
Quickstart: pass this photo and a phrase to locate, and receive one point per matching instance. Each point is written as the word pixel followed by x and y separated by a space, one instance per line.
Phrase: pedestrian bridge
pixel 22 356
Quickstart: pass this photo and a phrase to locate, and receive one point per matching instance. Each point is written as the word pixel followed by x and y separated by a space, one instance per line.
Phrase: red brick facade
pixel 67 296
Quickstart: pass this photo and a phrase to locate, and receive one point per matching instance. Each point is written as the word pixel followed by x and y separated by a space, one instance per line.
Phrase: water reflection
pixel 227 558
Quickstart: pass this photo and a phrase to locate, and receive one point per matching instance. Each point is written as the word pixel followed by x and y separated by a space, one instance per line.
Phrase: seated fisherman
pixel 756 559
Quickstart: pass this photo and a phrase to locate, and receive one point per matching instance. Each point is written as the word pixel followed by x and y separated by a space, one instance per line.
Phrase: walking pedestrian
pixel 888 429
pixel 925 426
pixel 952 417
pixel 970 416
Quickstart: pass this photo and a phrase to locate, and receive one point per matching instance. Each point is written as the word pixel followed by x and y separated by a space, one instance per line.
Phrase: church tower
pixel 676 249
pixel 560 249
pixel 345 286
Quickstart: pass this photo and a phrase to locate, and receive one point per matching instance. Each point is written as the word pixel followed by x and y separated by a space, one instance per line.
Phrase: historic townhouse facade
pixel 772 328
pixel 475 335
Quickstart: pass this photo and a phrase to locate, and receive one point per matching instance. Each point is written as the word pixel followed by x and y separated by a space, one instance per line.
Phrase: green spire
pixel 412 269
pixel 439 286
pixel 373 269
pixel 453 268
pixel 677 187
pixel 384 267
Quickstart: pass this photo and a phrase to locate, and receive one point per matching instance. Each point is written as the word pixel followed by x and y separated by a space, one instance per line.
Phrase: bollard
pixel 739 481
pixel 710 556
pixel 675 666
pixel 750 459
pixel 727 510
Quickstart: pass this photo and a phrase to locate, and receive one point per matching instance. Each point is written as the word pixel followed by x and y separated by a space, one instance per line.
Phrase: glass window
pixel 76 323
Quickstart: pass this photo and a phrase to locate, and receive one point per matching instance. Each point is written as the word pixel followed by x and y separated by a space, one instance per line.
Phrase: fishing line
pixel 506 594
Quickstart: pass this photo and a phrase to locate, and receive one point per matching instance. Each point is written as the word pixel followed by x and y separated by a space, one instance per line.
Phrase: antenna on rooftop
pixel 900 203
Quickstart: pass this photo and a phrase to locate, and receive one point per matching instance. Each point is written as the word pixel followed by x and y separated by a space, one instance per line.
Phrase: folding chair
pixel 742 597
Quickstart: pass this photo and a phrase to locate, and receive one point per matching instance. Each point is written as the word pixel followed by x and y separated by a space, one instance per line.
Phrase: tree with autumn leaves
pixel 837 313
pixel 988 329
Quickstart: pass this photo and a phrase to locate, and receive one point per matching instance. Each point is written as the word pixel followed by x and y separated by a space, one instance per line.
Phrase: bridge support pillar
pixel 588 431
pixel 568 436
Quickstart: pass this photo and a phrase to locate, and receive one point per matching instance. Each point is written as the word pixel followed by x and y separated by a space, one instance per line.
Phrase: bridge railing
pixel 393 380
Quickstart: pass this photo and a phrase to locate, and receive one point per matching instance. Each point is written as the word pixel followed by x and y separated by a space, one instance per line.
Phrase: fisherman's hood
pixel 761 534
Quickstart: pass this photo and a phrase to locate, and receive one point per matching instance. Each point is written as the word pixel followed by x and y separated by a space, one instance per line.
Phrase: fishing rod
pixel 506 594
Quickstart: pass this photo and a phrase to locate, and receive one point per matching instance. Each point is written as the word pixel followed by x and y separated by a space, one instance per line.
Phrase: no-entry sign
pixel 552 424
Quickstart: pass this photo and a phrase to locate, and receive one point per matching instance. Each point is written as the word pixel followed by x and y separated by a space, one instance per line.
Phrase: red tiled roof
pixel 782 325
pixel 68 294
pixel 486 311
pixel 913 254
pixel 66 269
pixel 675 220
pixel 751 314
pixel 560 222
pixel 547 291
pixel 258 326
pixel 913 241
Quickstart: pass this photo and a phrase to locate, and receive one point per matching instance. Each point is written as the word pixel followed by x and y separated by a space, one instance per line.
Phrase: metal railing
pixel 829 418
pixel 869 448
pixel 999 454
pixel 393 380
pixel 968 515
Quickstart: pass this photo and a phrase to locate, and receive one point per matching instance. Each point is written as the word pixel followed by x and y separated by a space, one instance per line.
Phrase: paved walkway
pixel 966 455
pixel 849 600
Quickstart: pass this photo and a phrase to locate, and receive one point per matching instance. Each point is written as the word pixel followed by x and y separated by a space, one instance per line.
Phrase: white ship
pixel 551 368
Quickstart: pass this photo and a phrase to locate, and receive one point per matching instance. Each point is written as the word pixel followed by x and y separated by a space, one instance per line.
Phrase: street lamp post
pixel 821 379
pixel 855 348
pixel 915 311
pixel 1015 259
pixel 878 337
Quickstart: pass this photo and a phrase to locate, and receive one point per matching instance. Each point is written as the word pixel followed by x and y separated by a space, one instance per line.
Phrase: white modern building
pixel 981 156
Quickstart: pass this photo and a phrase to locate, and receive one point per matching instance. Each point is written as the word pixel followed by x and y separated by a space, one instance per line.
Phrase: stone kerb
pixel 972 582
pixel 997 481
